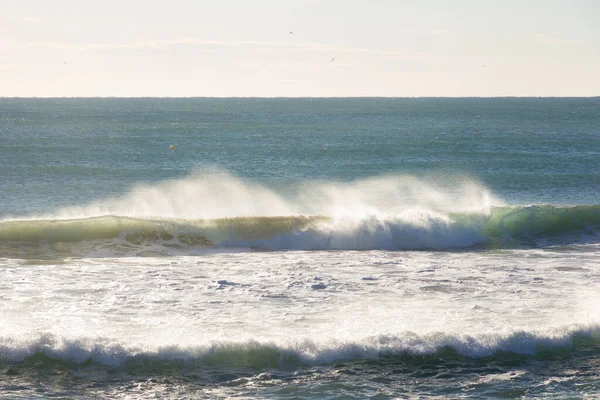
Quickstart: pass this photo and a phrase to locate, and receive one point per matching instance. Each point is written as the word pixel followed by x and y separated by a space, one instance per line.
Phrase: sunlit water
pixel 326 248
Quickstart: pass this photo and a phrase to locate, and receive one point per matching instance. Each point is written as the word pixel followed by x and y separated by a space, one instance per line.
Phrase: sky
pixel 298 48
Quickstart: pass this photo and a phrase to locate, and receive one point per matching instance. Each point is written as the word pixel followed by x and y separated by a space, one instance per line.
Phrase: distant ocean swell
pixel 504 227
pixel 73 353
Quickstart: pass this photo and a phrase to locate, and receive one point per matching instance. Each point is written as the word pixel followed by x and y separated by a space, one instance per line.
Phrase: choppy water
pixel 300 248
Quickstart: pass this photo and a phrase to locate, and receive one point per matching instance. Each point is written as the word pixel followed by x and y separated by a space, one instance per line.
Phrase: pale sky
pixel 224 48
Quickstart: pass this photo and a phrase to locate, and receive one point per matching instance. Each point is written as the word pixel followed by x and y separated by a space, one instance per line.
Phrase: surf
pixel 504 227
pixel 49 349
pixel 215 210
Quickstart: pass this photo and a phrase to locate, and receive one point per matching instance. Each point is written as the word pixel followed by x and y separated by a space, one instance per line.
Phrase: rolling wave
pixel 49 349
pixel 503 227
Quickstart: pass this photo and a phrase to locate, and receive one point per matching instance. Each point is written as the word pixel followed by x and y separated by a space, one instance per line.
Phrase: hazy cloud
pixel 163 45
pixel 547 39
pixel 32 20
pixel 439 32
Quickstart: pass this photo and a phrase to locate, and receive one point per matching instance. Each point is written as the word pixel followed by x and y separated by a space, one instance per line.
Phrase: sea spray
pixel 211 195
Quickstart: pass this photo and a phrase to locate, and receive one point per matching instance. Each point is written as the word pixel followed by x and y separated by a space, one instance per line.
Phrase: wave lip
pixel 503 227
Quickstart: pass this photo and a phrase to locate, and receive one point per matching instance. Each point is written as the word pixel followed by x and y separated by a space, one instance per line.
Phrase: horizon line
pixel 295 97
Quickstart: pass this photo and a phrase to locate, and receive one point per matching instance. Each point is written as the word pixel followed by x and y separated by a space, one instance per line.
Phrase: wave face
pixel 504 227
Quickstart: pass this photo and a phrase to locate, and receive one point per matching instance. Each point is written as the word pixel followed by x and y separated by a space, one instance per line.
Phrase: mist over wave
pixel 211 195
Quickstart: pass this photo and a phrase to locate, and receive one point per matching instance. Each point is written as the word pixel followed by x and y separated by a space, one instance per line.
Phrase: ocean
pixel 300 248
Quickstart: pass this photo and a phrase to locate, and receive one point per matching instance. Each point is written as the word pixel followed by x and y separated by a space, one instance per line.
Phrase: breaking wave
pixel 49 349
pixel 504 227
pixel 216 211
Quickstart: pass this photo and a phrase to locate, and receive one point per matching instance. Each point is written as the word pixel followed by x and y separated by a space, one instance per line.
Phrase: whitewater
pixel 328 248
pixel 386 213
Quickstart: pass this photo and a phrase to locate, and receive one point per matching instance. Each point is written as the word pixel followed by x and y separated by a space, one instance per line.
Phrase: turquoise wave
pixel 503 227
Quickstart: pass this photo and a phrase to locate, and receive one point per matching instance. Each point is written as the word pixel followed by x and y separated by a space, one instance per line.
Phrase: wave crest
pixel 504 227
pixel 217 210
pixel 257 354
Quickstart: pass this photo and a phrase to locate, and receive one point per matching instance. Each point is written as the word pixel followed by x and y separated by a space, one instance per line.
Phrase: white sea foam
pixel 111 353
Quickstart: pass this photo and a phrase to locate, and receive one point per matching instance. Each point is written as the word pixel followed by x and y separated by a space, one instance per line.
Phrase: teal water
pixel 62 152
pixel 300 248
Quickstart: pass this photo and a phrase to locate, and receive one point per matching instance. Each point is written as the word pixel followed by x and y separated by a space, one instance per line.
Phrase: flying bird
pixel 332 59
pixel 291 33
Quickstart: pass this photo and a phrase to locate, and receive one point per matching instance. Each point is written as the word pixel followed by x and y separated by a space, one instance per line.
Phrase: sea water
pixel 300 248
